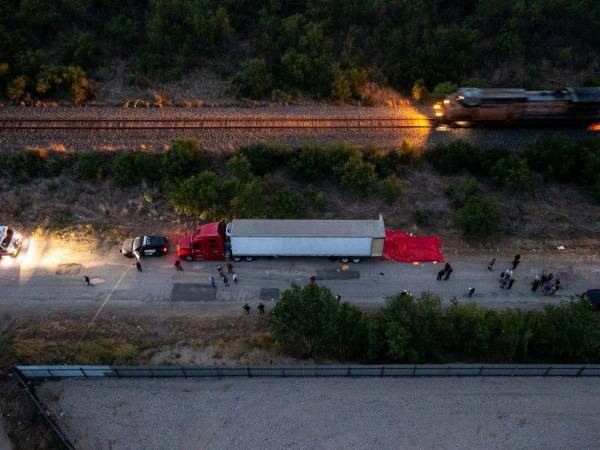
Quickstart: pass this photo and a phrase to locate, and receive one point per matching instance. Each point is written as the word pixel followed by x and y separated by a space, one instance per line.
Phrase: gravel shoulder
pixel 491 413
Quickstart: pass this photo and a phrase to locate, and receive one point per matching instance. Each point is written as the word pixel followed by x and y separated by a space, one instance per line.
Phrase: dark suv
pixel 145 246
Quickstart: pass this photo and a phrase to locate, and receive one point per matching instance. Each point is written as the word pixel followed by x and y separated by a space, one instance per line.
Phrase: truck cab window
pixel 196 245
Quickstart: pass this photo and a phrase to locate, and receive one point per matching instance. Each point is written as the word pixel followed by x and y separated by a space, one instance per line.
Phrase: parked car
pixel 145 246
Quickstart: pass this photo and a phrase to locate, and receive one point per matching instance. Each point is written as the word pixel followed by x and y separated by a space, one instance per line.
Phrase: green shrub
pixel 390 188
pixel 183 159
pixel 309 163
pixel 479 216
pixel 239 166
pixel 250 200
pixel 455 157
pixel 441 90
pixel 512 173
pixel 199 195
pixel 556 158
pixel 471 329
pixel 316 198
pixel 288 204
pixel 462 191
pixel 124 171
pixel 310 322
pixel 149 167
pixel 89 166
pixel 264 158
pixel 25 164
pixel 356 175
pixel 255 78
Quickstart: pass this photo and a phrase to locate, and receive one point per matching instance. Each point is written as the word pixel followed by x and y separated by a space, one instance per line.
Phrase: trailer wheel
pixel 237 258
pixel 249 258
pixel 189 258
pixel 355 260
pixel 344 260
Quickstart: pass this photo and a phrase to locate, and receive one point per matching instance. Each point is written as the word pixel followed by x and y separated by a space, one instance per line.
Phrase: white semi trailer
pixel 349 240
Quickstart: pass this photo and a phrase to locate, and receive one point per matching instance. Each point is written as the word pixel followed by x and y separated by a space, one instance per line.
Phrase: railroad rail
pixel 213 123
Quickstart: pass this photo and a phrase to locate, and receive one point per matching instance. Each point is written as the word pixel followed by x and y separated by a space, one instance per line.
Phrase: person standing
pixel 448 273
pixel 440 274
pixel 234 277
pixel 211 280
pixel 338 298
pixel 470 292
pixel 491 265
pixel 138 266
pixel 510 283
pixel 535 284
pixel 178 266
pixel 229 267
pixel 225 280
pixel 516 261
pixel 247 308
pixel 86 280
pixel 261 309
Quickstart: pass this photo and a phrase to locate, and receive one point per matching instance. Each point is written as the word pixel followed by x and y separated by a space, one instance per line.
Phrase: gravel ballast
pixel 486 413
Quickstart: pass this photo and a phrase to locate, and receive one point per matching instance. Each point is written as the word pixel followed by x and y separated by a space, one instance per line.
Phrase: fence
pixel 404 370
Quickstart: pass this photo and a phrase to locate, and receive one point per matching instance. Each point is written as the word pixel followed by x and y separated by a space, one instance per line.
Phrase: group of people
pixel 506 277
pixel 261 309
pixel 224 278
pixel 548 286
pixel 445 273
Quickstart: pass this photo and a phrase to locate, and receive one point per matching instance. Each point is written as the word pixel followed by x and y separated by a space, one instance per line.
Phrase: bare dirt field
pixel 491 413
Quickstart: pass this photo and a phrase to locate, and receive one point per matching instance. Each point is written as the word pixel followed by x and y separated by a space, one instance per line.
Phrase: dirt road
pixel 48 275
pixel 492 413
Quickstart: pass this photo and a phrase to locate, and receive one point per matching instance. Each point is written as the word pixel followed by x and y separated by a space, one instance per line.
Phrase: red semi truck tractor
pixel 348 240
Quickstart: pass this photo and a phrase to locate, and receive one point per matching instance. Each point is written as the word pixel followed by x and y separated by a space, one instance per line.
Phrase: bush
pixel 455 157
pixel 25 164
pixel 200 196
pixel 250 200
pixel 556 158
pixel 471 328
pixel 89 166
pixel 356 175
pixel 264 158
pixel 441 90
pixel 239 166
pixel 255 78
pixel 316 198
pixel 390 188
pixel 308 163
pixel 310 322
pixel 124 171
pixel 288 204
pixel 183 159
pixel 479 217
pixel 464 190
pixel 512 173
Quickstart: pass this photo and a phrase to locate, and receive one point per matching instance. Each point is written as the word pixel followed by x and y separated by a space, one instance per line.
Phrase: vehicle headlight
pixel 446 102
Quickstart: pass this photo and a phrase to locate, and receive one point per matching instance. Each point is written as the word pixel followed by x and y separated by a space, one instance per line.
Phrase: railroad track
pixel 212 123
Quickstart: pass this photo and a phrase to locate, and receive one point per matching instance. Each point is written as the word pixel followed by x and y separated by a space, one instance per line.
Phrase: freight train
pixel 571 105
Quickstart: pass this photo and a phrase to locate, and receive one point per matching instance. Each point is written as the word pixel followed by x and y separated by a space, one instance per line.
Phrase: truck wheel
pixel 355 260
pixel 344 260
pixel 237 258
pixel 249 258
pixel 189 258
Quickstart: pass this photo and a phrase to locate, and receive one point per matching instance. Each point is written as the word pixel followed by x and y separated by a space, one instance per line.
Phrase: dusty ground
pixel 491 413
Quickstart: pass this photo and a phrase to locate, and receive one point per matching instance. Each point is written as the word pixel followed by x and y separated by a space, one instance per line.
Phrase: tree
pixel 124 171
pixel 304 320
pixel 255 78
pixel 200 196
pixel 479 217
pixel 441 90
pixel 391 188
pixel 512 173
pixel 183 158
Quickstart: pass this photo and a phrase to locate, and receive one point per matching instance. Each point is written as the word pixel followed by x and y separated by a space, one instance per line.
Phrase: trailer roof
pixel 308 228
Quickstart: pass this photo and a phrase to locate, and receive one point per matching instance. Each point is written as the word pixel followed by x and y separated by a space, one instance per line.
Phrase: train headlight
pixel 437 106
pixel 446 102
pixel 439 114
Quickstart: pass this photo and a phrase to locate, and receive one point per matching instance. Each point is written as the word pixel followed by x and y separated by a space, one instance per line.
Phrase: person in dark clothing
pixel 138 266
pixel 220 270
pixel 510 283
pixel 535 284
pixel 229 267
pixel 225 280
pixel 440 274
pixel 338 298
pixel 247 308
pixel 261 309
pixel 313 278
pixel 550 276
pixel 86 280
pixel 555 287
pixel 516 261
pixel 178 266
pixel 491 265
pixel 448 273
pixel 211 280
pixel 470 292
pixel 544 279
pixel 447 267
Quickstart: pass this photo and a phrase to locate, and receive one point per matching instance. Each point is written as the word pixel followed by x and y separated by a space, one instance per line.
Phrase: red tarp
pixel 403 247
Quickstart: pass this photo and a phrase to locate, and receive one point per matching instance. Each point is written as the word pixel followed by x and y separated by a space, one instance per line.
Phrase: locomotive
pixel 580 105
